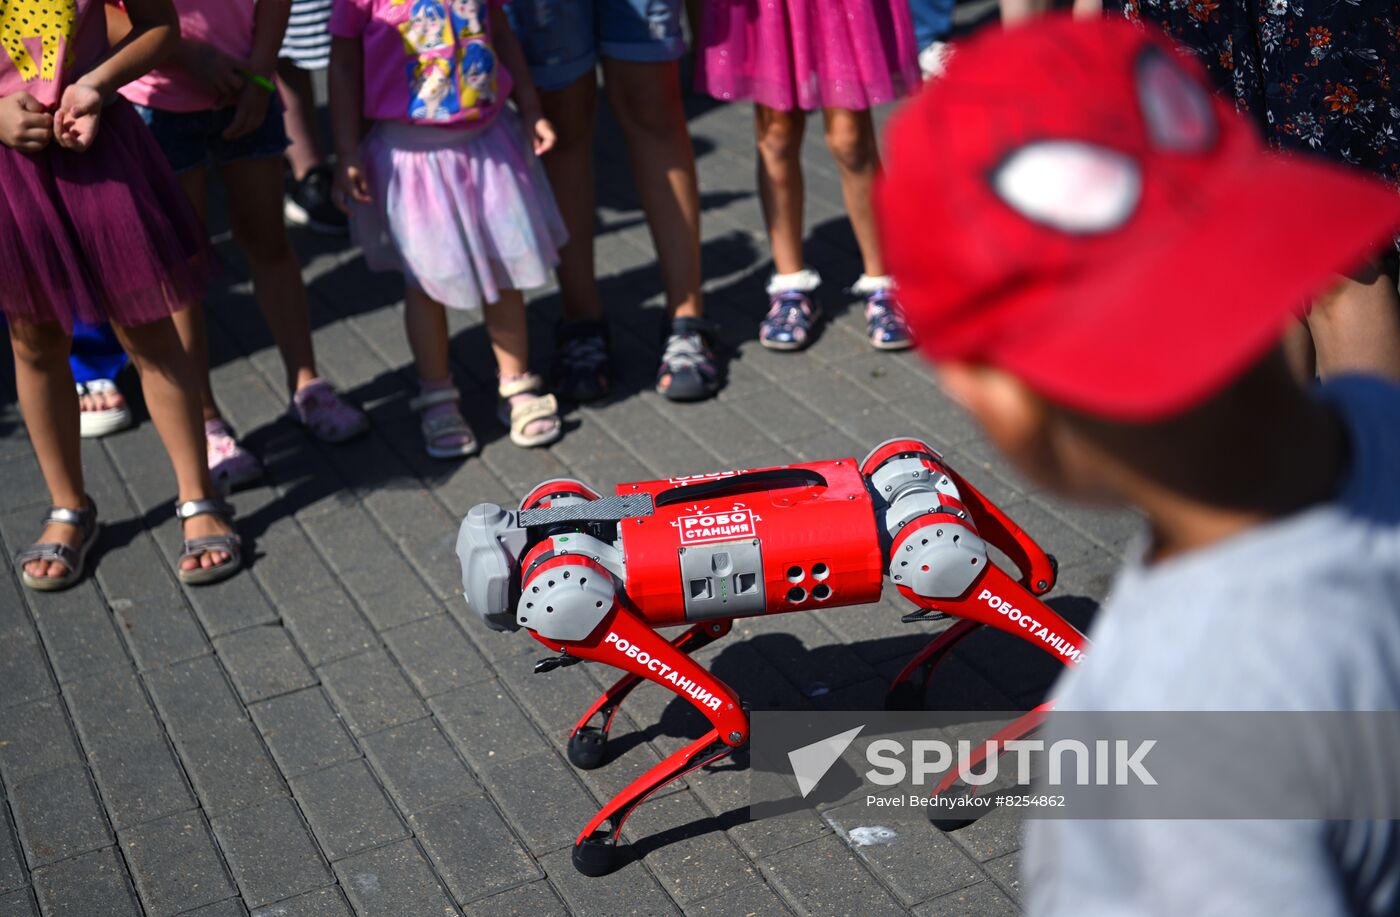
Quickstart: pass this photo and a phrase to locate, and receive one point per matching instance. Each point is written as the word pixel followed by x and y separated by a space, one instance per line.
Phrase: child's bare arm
pixel 269 25
pixel 347 91
pixel 146 34
pixel 527 100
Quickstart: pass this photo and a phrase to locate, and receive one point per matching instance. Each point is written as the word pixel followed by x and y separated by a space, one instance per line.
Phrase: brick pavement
pixel 332 733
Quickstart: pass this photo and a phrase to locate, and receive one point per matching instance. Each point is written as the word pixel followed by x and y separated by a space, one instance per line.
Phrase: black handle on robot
pixel 742 483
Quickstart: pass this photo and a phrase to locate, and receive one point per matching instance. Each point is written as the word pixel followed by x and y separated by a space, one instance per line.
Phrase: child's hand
pixel 220 73
pixel 250 113
pixel 79 112
pixel 540 133
pixel 351 182
pixel 24 124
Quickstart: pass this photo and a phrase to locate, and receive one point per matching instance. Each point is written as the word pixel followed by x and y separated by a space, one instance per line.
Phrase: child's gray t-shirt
pixel 1300 614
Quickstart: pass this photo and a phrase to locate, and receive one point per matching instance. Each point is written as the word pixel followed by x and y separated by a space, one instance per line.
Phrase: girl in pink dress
pixel 795 56
pixel 94 228
pixel 445 189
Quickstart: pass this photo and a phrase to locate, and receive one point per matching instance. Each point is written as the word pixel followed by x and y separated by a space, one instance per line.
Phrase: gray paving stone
pixel 486 725
pixel 127 749
pixel 271 852
pixel 229 907
pixel 918 862
pixel 993 835
pixel 263 663
pixel 18 903
pixel 473 849
pixel 371 693
pixel 231 605
pixel 549 808
pixel 12 873
pixel 93 885
pixel 35 738
pixel 393 880
pixel 749 901
pixel 288 565
pixel 436 655
pixel 628 892
pixel 984 900
pixel 23 484
pixel 821 877
pixel 58 816
pixel 326 625
pixel 686 848
pixel 303 732
pixel 159 630
pixel 370 567
pixel 536 899
pixel 23 669
pixel 175 864
pixel 1006 873
pixel 221 751
pixel 77 632
pixel 418 766
pixel 347 809
pixel 324 902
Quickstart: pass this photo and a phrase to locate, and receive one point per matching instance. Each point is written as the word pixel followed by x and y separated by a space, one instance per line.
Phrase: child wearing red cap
pixel 1103 258
pixel 792 56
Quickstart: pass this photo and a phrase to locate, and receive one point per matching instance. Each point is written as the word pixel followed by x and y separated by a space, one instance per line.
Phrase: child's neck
pixel 1280 462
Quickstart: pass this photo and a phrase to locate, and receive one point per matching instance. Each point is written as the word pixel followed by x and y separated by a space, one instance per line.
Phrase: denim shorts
pixel 191 139
pixel 563 39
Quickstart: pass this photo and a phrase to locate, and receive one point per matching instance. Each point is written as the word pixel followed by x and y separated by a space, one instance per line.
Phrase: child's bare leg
pixel 510 342
pixel 850 135
pixel 168 377
pixel 646 98
pixel 573 111
pixel 299 117
pixel 780 183
pixel 190 322
pixel 49 401
pixel 425 321
pixel 255 215
pixel 1356 326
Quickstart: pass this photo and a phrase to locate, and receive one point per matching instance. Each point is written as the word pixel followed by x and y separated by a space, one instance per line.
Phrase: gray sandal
pixel 230 544
pixel 85 520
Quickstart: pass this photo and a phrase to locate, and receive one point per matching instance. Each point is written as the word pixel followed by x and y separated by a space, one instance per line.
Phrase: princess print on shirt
pixel 478 68
pixel 434 95
pixel 426 28
pixel 467 19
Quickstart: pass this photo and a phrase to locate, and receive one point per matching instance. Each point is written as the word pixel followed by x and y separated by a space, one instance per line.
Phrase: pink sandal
pixel 230 465
pixel 329 417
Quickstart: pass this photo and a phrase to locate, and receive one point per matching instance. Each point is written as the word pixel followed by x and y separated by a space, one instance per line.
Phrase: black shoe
pixel 581 368
pixel 689 361
pixel 309 204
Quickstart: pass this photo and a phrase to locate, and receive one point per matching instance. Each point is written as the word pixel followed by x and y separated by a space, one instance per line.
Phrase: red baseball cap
pixel 1071 203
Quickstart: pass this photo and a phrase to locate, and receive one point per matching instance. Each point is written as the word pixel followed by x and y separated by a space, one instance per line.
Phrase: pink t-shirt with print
pixel 224 24
pixel 426 61
pixel 47 44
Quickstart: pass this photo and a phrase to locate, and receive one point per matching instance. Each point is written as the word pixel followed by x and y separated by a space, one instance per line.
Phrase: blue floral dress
pixel 1317 75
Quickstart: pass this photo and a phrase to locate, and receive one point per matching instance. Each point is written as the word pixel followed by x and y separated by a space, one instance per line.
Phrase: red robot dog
pixel 592 578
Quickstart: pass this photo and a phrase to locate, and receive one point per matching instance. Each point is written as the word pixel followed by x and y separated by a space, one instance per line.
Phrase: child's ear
pixel 998 400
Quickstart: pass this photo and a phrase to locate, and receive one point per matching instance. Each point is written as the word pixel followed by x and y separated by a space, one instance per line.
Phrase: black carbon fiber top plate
pixel 608 509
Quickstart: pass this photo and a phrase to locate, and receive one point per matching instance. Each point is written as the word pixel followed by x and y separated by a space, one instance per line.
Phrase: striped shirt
pixel 307 43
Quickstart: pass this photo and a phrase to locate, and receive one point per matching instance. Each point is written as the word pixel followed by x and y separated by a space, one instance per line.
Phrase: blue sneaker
pixel 884 322
pixel 788 325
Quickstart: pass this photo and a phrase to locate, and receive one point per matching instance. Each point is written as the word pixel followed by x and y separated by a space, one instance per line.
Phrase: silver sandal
pixel 444 427
pixel 85 520
pixel 230 544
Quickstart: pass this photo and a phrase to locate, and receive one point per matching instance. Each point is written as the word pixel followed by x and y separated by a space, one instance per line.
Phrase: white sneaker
pixel 933 60
pixel 94 424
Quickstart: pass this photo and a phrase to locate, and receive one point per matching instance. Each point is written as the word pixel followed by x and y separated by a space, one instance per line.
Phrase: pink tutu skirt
pixel 462 214
pixel 103 235
pixel 807 54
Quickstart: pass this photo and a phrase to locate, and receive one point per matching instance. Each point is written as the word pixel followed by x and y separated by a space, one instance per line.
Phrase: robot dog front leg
pixel 625 641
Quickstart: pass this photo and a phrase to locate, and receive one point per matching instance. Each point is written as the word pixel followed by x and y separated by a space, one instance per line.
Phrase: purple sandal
pixel 329 417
